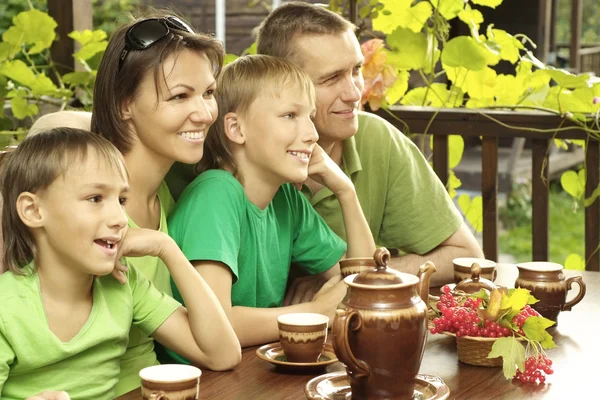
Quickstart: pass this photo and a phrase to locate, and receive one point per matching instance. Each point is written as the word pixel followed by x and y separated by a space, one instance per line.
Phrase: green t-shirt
pixel 404 202
pixel 33 359
pixel 140 350
pixel 214 220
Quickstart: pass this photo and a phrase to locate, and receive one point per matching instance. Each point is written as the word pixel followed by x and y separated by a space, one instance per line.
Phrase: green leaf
pixel 512 353
pixel 90 50
pixel 482 294
pixel 364 11
pixel 518 299
pixel 399 13
pixel 87 36
pixel 7 51
pixel 437 95
pixel 398 89
pixel 508 90
pixel 463 51
pixel 448 8
pixel 573 183
pixel 409 49
pixel 509 46
pixel 535 329
pixel 481 84
pixel 456 146
pixel 18 71
pixel 42 85
pixel 453 184
pixel 488 3
pixel 567 80
pixel 77 78
pixel 575 262
pixel 21 109
pixel 229 58
pixel 473 210
pixel 250 50
pixel 470 16
pixel 31 27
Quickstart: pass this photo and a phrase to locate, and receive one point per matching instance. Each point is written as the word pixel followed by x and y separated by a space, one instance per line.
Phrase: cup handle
pixel 579 280
pixel 158 396
pixel 341 324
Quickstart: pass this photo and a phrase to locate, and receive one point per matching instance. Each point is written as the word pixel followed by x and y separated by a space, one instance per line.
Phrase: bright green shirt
pixel 404 202
pixel 214 220
pixel 140 350
pixel 33 359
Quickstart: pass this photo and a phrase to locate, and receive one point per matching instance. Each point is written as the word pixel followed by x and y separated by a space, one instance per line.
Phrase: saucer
pixel 273 353
pixel 336 386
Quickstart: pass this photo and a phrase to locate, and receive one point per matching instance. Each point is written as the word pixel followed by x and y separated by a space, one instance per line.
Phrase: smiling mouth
pixel 192 136
pixel 301 155
pixel 108 244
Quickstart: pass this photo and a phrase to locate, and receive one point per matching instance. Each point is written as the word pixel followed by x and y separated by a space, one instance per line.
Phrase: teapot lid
pixel 381 275
pixel 476 282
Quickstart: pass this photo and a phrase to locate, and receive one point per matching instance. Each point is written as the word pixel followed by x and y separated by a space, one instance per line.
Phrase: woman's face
pixel 174 126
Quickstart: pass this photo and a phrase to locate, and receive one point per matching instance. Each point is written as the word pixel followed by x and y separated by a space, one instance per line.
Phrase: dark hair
pixel 36 163
pixel 241 82
pixel 113 87
pixel 277 32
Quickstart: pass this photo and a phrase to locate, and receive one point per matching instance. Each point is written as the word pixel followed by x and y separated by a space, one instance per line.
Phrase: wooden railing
pixel 491 126
pixel 589 58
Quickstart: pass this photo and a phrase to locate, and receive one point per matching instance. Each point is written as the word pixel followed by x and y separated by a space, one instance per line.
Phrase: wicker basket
pixel 474 351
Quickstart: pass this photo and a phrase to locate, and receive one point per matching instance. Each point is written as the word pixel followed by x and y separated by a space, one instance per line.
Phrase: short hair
pixel 278 30
pixel 239 85
pixel 113 86
pixel 36 163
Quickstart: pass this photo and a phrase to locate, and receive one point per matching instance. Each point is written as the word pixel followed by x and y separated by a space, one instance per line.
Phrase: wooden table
pixel 575 363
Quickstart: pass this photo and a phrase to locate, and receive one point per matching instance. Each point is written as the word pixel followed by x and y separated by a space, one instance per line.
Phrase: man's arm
pixel 460 244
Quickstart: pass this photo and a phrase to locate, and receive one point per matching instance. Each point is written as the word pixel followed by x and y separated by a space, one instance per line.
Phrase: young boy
pixel 241 222
pixel 64 321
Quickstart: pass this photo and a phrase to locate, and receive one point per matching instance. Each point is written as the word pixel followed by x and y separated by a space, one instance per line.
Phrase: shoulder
pixel 214 180
pixel 15 290
pixel 165 198
pixel 373 129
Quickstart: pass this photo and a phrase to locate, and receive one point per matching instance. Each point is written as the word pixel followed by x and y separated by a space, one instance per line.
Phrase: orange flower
pixel 378 75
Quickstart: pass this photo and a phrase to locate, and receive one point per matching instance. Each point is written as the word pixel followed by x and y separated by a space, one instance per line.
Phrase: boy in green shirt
pixel 64 321
pixel 241 222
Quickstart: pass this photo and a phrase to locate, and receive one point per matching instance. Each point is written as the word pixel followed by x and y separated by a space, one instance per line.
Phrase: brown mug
pixel 547 283
pixel 349 266
pixel 462 268
pixel 170 382
pixel 302 336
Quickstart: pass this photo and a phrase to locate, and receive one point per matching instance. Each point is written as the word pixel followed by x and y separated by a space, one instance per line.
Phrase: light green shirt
pixel 140 350
pixel 33 359
pixel 404 202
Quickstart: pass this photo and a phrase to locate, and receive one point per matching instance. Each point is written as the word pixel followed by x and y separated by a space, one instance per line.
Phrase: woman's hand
pixel 50 395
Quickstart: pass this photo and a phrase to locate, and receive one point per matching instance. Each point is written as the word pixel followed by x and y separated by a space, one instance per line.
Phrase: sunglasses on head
pixel 145 33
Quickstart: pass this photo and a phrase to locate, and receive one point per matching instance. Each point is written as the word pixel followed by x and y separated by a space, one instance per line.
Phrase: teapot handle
pixel 341 324
pixel 579 280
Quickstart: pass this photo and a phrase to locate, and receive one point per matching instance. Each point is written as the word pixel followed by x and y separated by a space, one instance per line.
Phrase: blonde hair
pixel 36 163
pixel 239 85
pixel 278 30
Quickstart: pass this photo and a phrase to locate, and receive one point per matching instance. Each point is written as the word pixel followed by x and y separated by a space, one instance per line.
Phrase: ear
pixel 28 208
pixel 126 110
pixel 233 128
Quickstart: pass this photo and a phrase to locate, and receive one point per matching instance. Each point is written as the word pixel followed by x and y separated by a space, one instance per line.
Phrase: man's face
pixel 334 63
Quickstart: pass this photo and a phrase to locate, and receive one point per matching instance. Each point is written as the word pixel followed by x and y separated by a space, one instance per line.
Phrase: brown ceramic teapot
pixel 380 329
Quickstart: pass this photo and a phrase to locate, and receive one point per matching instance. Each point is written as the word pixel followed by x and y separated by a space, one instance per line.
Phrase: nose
pixel 203 110
pixel 310 133
pixel 116 218
pixel 353 86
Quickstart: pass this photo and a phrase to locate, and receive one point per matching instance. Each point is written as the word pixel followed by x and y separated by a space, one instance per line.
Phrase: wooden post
pixel 70 15
pixel 540 206
pixel 489 194
pixel 440 157
pixel 544 26
pixel 592 212
pixel 576 17
pixel 353 12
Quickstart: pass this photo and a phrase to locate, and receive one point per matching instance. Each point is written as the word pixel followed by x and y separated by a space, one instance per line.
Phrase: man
pixel 406 205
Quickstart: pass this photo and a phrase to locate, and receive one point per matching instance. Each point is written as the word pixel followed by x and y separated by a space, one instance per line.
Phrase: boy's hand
pixel 322 169
pixel 50 395
pixel 303 289
pixel 119 271
pixel 140 242
pixel 330 295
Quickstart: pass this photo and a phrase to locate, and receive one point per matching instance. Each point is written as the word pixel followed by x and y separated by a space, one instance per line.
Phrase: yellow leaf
pixel 574 261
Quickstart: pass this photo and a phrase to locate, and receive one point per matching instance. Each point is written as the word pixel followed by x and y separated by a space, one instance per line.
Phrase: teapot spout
pixel 424 276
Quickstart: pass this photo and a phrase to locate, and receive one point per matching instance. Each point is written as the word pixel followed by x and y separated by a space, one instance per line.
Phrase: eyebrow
pixel 338 71
pixel 104 186
pixel 183 85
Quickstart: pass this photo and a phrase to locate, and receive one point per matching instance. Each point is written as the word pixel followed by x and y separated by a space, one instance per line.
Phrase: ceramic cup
pixel 351 266
pixel 506 275
pixel 462 268
pixel 170 382
pixel 547 283
pixel 302 336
